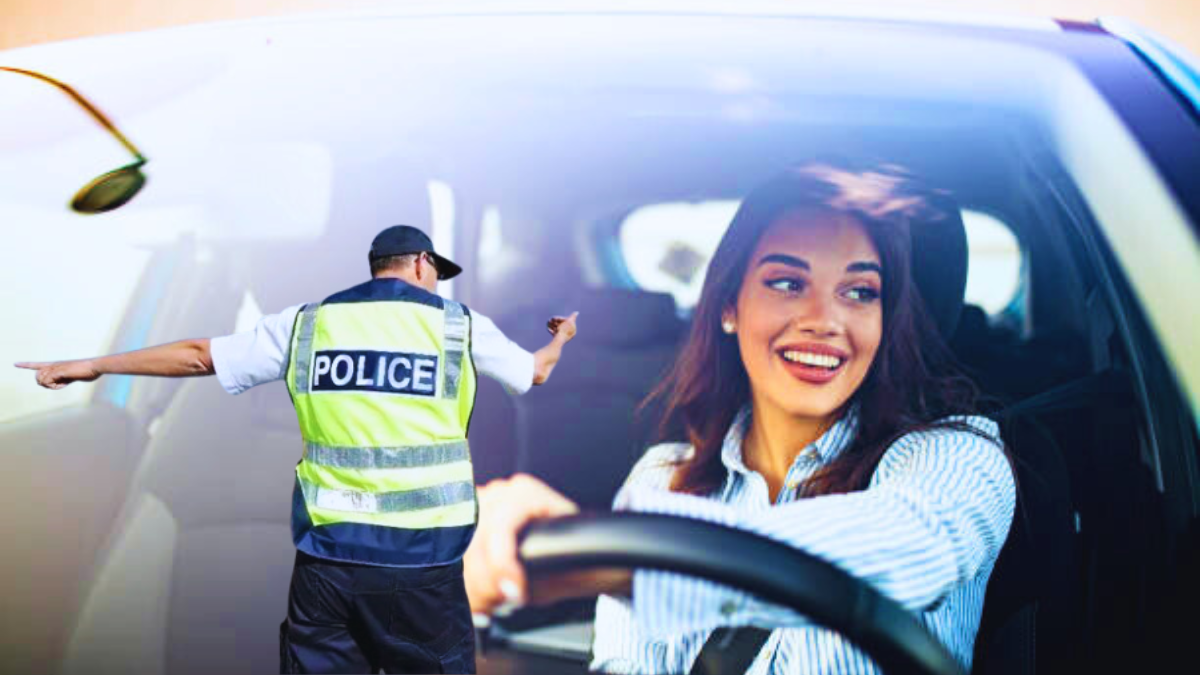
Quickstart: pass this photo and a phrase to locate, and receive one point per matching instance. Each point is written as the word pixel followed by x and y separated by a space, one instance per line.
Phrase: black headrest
pixel 939 264
pixel 621 317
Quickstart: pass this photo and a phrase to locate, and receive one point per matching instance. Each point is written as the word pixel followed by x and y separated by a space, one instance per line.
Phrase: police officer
pixel 382 377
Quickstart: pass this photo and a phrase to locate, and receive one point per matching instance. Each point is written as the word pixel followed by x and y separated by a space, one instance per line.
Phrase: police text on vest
pixel 384 372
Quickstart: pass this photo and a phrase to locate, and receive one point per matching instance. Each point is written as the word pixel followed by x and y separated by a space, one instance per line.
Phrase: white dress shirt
pixel 926 533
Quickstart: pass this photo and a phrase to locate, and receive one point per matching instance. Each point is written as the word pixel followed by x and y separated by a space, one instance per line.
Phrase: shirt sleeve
pixel 498 357
pixel 937 512
pixel 617 645
pixel 257 356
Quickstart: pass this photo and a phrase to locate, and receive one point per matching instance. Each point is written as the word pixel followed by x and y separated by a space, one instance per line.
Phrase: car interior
pixel 1079 580
pixel 1072 584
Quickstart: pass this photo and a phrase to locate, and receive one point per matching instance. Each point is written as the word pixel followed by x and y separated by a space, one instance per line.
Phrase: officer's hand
pixel 58 374
pixel 562 327
pixel 494 577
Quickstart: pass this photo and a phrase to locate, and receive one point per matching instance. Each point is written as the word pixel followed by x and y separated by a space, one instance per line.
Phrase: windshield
pixel 566 163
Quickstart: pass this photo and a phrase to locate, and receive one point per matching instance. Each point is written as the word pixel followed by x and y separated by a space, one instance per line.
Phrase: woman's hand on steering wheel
pixel 495 579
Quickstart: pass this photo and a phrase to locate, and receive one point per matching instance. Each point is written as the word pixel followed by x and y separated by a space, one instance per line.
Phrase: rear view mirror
pixel 111 189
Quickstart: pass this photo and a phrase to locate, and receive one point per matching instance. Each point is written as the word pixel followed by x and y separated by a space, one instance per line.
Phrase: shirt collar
pixel 830 444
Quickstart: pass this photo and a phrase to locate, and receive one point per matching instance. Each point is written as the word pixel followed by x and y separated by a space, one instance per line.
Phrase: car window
pixel 666 248
pixel 995 264
pixel 89 283
pixel 441 220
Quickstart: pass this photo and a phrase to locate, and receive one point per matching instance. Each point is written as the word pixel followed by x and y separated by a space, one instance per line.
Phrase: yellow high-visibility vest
pixel 383 385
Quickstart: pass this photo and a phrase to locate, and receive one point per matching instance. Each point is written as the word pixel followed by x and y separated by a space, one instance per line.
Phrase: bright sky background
pixel 31 21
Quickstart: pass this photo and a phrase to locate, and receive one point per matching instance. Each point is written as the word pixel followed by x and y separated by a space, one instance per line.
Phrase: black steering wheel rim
pixel 789 577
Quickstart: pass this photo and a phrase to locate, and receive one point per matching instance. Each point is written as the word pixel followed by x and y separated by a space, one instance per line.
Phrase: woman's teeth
pixel 811 359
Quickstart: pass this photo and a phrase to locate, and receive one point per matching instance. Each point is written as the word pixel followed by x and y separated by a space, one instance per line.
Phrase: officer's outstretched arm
pixel 186 358
pixel 544 359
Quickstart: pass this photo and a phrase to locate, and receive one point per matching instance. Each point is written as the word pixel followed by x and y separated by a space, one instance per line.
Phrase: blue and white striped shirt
pixel 925 532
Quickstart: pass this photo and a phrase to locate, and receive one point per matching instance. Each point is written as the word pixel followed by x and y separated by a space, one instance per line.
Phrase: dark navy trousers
pixel 349 618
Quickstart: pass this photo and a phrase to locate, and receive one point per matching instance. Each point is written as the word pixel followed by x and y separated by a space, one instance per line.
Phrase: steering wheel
pixel 769 569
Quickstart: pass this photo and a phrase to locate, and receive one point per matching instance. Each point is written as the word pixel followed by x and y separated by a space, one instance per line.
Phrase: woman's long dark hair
pixel 914 380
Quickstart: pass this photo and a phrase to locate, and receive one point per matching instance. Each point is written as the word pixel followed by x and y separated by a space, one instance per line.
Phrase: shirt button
pixel 728 608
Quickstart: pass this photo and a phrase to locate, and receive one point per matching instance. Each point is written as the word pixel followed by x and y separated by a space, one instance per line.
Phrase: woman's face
pixel 809 313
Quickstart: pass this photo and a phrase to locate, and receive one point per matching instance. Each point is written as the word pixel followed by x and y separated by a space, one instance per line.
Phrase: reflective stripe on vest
pixel 387 458
pixel 388 502
pixel 383 385
pixel 308 321
pixel 456 346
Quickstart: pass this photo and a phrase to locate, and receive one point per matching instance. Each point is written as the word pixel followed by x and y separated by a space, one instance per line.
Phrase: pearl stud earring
pixel 727 326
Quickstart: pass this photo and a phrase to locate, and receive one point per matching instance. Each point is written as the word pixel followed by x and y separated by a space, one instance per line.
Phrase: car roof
pixel 697 49
pixel 751 8
pixel 627 82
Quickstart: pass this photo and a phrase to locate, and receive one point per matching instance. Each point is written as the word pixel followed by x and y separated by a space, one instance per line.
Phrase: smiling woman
pixel 823 409
pixel 816 265
pixel 807 331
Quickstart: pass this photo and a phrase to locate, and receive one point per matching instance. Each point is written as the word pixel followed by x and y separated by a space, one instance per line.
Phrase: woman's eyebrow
pixel 792 261
pixel 865 266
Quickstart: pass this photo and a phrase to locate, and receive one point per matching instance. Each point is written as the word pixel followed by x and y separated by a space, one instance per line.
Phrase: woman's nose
pixel 818 316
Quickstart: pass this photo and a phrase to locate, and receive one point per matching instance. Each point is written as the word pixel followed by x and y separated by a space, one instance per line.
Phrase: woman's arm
pixel 495 580
pixel 937 511
pixel 494 577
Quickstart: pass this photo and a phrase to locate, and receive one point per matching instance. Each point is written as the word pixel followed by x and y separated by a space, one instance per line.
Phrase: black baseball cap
pixel 401 239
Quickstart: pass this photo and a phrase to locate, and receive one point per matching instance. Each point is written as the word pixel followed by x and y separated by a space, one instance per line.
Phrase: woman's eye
pixel 863 294
pixel 786 284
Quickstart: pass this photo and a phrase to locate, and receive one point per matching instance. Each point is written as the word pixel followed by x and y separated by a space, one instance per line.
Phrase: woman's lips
pixel 812 374
pixel 829 362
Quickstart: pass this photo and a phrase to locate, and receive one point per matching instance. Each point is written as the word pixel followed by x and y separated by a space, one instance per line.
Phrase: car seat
pixel 196 577
pixel 196 571
pixel 1028 623
pixel 583 434
pixel 1029 599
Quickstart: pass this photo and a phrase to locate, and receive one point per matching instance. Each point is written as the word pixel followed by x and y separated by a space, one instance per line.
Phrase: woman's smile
pixel 812 362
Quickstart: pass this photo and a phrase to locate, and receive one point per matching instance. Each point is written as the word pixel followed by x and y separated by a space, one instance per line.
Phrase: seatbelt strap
pixel 1085 391
pixel 730 650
